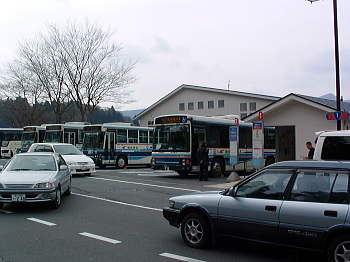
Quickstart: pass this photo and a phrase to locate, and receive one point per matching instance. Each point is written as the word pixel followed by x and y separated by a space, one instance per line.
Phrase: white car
pixel 77 162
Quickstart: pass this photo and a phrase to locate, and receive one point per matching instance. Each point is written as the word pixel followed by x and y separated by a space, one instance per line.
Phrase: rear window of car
pixel 336 148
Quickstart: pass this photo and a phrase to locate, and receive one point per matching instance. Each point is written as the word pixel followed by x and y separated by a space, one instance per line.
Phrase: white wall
pixel 232 104
pixel 306 119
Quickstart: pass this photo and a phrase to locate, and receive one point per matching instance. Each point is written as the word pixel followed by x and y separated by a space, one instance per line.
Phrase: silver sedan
pixel 35 177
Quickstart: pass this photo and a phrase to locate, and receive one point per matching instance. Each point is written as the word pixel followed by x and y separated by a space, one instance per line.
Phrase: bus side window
pixel 122 136
pixel 132 136
pixel 143 137
pixel 245 137
pixel 151 137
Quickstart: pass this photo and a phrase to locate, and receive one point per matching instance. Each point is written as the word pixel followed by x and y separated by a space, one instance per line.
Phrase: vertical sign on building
pixel 258 144
pixel 234 142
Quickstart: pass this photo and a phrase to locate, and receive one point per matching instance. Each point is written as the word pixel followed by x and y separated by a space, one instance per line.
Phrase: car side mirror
pixel 233 191
pixel 63 168
pixel 1 167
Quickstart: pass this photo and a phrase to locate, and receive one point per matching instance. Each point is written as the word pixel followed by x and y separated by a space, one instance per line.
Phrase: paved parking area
pixel 115 215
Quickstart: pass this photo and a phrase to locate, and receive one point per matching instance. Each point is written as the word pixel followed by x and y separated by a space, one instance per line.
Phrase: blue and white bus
pixel 177 138
pixel 118 144
pixel 70 132
pixel 10 141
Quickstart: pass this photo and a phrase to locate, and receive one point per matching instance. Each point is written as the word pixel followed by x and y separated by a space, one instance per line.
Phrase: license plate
pixel 84 169
pixel 18 197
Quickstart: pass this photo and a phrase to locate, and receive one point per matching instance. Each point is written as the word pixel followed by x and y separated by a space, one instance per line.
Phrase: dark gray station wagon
pixel 301 204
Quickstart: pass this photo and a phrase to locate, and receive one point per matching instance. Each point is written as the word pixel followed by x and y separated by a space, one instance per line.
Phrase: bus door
pixel 198 137
pixel 69 137
pixel 110 147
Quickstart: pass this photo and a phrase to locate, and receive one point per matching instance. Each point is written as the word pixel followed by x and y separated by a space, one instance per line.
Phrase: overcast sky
pixel 271 47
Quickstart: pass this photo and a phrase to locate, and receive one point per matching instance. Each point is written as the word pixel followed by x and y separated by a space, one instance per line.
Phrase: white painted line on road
pixel 144 184
pixel 118 202
pixel 6 211
pixel 180 258
pixel 41 221
pixel 106 239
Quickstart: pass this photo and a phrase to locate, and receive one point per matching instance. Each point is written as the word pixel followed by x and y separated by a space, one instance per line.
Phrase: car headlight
pixel 171 203
pixel 71 163
pixel 44 185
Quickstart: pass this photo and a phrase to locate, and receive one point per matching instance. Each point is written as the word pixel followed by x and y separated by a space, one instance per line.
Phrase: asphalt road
pixel 116 215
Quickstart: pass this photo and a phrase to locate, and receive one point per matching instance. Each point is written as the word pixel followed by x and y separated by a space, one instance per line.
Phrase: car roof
pixel 52 144
pixel 312 164
pixel 336 133
pixel 38 153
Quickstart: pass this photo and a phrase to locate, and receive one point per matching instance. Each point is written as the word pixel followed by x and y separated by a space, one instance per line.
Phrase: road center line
pixel 105 239
pixel 144 184
pixel 41 221
pixel 118 202
pixel 180 258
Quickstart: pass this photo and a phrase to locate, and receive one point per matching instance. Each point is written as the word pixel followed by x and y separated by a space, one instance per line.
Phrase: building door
pixel 285 143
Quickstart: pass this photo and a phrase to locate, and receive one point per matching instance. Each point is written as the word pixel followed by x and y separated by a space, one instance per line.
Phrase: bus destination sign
pixel 171 120
pixel 29 129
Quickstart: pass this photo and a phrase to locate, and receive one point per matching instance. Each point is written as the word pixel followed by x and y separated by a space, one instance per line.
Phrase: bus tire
pixel 121 162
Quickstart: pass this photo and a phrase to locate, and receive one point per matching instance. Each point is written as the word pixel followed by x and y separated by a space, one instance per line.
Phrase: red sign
pixel 260 116
pixel 236 121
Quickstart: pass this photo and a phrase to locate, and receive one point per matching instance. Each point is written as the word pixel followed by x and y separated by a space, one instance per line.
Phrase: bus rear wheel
pixel 121 162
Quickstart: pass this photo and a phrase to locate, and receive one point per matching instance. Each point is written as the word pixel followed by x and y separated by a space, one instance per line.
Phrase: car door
pixel 252 210
pixel 318 200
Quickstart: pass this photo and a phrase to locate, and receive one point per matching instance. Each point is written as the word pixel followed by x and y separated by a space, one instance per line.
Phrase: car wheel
pixel 1 205
pixel 87 174
pixel 69 189
pixel 339 249
pixel 195 230
pixel 57 202
pixel 121 162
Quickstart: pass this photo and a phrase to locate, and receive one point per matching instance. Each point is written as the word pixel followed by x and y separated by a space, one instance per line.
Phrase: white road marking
pixel 106 239
pixel 41 221
pixel 180 258
pixel 118 202
pixel 144 184
pixel 6 211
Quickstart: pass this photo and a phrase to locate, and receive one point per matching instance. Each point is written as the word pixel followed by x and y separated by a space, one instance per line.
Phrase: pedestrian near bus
pixel 203 158
pixel 311 150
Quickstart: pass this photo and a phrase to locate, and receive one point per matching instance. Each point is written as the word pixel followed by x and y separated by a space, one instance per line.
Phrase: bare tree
pixel 95 70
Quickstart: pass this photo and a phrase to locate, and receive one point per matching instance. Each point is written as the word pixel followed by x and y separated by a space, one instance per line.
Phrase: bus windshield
pixel 6 138
pixel 28 138
pixel 53 136
pixel 93 140
pixel 175 138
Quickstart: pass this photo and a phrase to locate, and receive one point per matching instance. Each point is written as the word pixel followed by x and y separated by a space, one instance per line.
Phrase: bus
pixel 10 141
pixel 177 138
pixel 31 135
pixel 118 144
pixel 70 132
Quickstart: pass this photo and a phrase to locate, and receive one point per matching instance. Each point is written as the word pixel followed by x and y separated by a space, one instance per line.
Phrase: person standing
pixel 311 150
pixel 203 158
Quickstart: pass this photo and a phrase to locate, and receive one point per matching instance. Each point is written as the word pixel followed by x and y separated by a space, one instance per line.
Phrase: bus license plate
pixel 18 197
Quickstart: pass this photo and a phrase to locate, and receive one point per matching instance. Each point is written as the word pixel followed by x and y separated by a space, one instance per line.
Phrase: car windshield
pixel 93 140
pixel 53 136
pixel 32 163
pixel 172 138
pixel 67 150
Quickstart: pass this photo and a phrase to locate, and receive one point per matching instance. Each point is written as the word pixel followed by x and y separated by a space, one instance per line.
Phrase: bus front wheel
pixel 121 162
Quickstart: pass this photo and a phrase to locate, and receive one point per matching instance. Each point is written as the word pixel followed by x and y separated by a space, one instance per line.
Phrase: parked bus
pixel 118 144
pixel 31 135
pixel 177 138
pixel 71 133
pixel 10 141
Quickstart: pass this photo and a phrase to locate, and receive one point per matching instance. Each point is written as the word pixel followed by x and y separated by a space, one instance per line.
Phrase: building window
pixel 221 103
pixel 182 107
pixel 252 106
pixel 150 123
pixel 243 106
pixel 243 115
pixel 211 104
pixel 190 106
pixel 200 105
